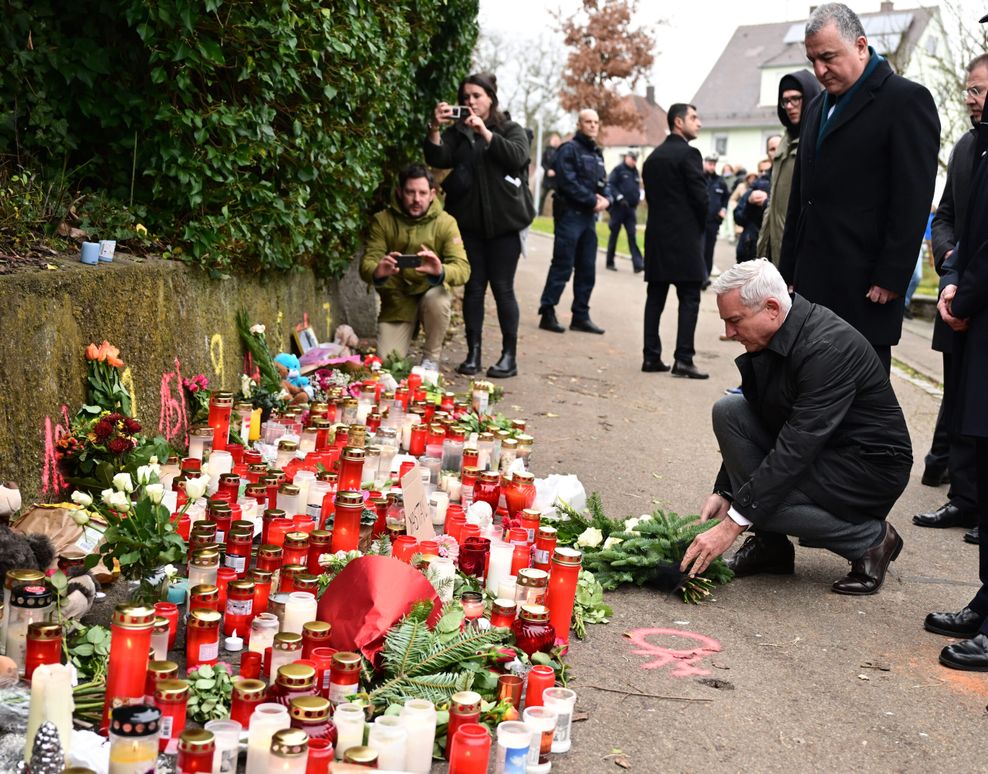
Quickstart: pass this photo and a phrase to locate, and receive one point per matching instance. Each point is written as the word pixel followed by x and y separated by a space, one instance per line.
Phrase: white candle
pixel 51 699
pixel 542 723
pixel 349 720
pixel 227 733
pixel 419 718
pixel 562 701
pixel 499 566
pixel 506 588
pixel 443 571
pixel 313 500
pixel 439 502
pixel 290 502
pixel 389 738
pixel 513 741
pixel 304 479
pixel 406 430
pixel 454 488
pixel 220 463
pixel 265 720
pixel 299 609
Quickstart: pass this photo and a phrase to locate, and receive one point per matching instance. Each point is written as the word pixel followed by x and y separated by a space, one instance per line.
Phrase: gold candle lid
pixel 567 556
pixel 289 489
pixel 205 557
pixel 320 537
pixel 270 552
pixel 296 676
pixel 287 641
pixel 42 630
pixel 130 616
pixel 171 690
pixel 160 625
pixel 345 661
pixel 196 740
pixel 204 590
pixel 529 576
pixel 240 585
pixel 287 445
pixel 524 477
pixel 289 743
pixel 362 756
pixel 465 702
pixel 534 613
pixel 204 618
pixel 22 576
pixel 349 498
pixel 353 453
pixel 309 708
pixel 163 669
pixel 249 689
pixel 297 540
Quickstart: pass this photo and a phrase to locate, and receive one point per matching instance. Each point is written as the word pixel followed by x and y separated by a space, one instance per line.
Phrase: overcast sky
pixel 694 33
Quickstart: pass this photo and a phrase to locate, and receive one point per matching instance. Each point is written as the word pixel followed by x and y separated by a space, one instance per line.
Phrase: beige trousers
pixel 434 312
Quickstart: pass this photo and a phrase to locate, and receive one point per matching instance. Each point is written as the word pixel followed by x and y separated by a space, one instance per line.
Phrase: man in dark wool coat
pixel 863 184
pixel 963 305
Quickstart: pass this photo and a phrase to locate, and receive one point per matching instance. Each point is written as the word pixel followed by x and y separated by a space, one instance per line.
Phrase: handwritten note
pixel 418 520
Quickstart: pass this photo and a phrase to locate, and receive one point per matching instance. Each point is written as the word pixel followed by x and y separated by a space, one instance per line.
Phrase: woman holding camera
pixel 487 192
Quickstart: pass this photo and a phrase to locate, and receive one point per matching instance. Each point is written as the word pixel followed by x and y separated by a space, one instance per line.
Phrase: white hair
pixel 758 281
pixel 846 21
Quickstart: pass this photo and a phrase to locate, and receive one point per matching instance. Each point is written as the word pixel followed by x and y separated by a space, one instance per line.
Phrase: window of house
pixel 720 144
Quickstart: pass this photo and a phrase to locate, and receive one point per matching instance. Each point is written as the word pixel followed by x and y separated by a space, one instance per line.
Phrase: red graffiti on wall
pixel 684 661
pixel 173 420
pixel 52 480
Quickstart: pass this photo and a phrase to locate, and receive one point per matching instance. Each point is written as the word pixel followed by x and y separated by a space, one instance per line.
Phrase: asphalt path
pixel 772 673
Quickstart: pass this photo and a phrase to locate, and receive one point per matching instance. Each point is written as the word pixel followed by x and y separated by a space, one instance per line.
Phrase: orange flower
pixel 92 353
pixel 112 355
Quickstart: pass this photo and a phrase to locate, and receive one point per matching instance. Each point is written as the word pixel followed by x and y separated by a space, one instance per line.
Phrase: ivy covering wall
pixel 251 135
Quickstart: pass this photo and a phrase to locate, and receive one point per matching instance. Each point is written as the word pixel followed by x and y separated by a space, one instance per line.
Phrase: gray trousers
pixel 744 444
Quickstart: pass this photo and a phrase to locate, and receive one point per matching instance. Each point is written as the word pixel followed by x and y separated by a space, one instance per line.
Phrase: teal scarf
pixel 839 103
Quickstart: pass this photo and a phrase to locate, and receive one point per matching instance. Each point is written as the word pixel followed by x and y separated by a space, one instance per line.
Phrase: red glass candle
pixel 205 596
pixel 545 545
pixel 519 496
pixel 540 677
pixel 320 756
pixel 315 634
pixel 272 483
pixel 454 523
pixel 320 542
pixel 255 472
pixel 277 529
pixel 453 510
pixel 473 605
pixel 303 523
pixel 44 646
pixel 223 577
pixel 417 437
pixel 296 548
pixel 238 547
pixel 379 504
pixel 351 468
pixel 503 613
pixel 158 671
pixel 130 648
pixel 521 557
pixel 250 665
pixel 322 427
pixel 533 631
pixel 561 596
pixel 344 676
pixel 474 553
pixel 464 708
pixel 220 512
pixel 470 752
pixel 292 682
pixel 262 580
pixel 403 547
pixel 202 638
pixel 237 452
pixel 269 557
pixel 230 486
pixel 288 573
pixel 488 488
pixel 311 714
pixel 246 695
pixel 172 698
pixel 468 531
pixel 239 607
pixel 195 752
pixel 468 481
pixel 322 657
pixel 349 505
pixel 403 469
pixel 183 524
pixel 220 409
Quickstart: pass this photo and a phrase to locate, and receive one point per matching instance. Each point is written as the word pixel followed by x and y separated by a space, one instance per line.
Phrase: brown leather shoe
pixel 868 573
pixel 759 554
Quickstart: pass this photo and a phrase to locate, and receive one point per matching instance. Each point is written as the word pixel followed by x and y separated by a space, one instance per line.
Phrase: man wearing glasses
pixel 796 90
pixel 863 181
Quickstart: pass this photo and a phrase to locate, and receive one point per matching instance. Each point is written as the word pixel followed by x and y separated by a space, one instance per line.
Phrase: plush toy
pixel 291 378
pixel 36 552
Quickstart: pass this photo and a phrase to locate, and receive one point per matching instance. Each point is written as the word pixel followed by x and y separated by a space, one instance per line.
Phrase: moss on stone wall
pixel 166 319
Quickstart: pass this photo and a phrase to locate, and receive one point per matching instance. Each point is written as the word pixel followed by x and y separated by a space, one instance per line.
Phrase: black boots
pixel 471 365
pixel 506 366
pixel 548 321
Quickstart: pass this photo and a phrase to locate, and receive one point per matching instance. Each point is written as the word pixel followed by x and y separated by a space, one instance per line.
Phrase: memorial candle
pixel 419 719
pixel 540 677
pixel 239 606
pixel 130 648
pixel 349 720
pixel 220 410
pixel 562 701
pixel 464 708
pixel 264 722
pixel 541 721
pixel 246 695
pixel 513 741
pixel 44 645
pixel 349 506
pixel 299 610
pixel 315 634
pixel 471 750
pixel 389 738
pixel 262 580
pixel 289 749
pixel 172 698
pixel 561 595
pixel 202 643
pixel 351 468
pixel 134 739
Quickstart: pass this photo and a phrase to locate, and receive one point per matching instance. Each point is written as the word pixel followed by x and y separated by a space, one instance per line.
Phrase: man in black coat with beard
pixel 677 211
pixel 863 183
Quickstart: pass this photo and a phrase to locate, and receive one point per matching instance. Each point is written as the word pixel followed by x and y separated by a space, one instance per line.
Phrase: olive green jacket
pixel 770 237
pixel 392 230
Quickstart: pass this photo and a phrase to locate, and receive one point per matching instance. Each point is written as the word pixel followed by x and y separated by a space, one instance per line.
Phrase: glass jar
pixel 532 630
pixel 349 506
pixel 468 485
pixel 315 634
pixel 195 752
pixel 453 450
pixel 262 631
pixel 250 665
pixel 133 732
pixel 172 698
pixel 289 750
pixel 488 488
pixel 204 596
pixel 238 546
pixel 480 392
pixel 349 720
pixel 288 573
pixel 296 548
pixel 561 596
pixel 239 607
pixel 524 449
pixel 499 565
pixel 540 677
pixel 220 512
pixel 473 605
pixel 44 645
pixel 29 603
pixel 521 555
pixel 262 590
pixel 299 609
pixel 202 643
pixel 545 545
pixel 14 578
pixel 269 557
pixel 518 497
pixel 202 567
pixel 530 587
pixel 320 756
pixel 245 696
pixel 220 411
pixel 389 738
pixel 321 425
pixel 320 542
pixel 351 469
pixel 200 442
pixel 474 553
pixel 470 752
pixel 290 499
pixel 158 671
pixel 311 715
pixel 503 613
pixel 292 681
pixel 464 708
pixel 344 677
pixel 286 648
pixel 159 638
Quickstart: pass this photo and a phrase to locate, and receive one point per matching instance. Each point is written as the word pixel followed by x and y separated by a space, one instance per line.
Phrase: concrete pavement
pixel 772 673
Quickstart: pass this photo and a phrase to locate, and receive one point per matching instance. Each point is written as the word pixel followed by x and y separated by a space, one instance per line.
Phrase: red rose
pixel 132 426
pixel 103 430
pixel 119 445
pixel 114 417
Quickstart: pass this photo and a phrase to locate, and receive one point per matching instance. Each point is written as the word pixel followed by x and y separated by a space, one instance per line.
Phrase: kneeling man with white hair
pixel 815 447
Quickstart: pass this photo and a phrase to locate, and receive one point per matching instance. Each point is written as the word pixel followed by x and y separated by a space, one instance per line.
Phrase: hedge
pixel 254 135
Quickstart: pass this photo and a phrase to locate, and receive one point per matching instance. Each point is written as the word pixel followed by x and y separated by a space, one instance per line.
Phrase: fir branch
pixel 463 647
pixel 406 644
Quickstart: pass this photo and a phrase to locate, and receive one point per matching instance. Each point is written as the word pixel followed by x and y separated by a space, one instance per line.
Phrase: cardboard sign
pixel 418 518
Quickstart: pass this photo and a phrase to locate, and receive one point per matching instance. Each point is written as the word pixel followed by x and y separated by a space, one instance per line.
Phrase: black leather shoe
pixel 966 623
pixel 935 477
pixel 654 366
pixel 585 325
pixel 611 267
pixel 548 322
pixel 972 536
pixel 868 573
pixel 947 515
pixel 504 367
pixel 688 370
pixel 761 555
pixel 970 655
pixel 471 365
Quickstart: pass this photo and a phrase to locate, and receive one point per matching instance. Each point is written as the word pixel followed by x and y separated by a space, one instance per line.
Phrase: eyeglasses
pixel 794 101
pixel 974 91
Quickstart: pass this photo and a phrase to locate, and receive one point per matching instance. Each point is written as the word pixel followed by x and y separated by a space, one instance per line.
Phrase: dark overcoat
pixel 861 199
pixel 967 268
pixel 676 195
pixel 841 438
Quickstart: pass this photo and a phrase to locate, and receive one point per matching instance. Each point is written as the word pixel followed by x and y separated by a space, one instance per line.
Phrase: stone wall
pixel 168 320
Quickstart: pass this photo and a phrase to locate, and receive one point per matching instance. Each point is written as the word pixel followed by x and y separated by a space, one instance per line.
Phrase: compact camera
pixel 459 111
pixel 408 261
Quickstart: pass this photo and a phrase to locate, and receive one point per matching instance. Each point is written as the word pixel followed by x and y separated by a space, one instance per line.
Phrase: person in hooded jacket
pixel 487 192
pixel 795 91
